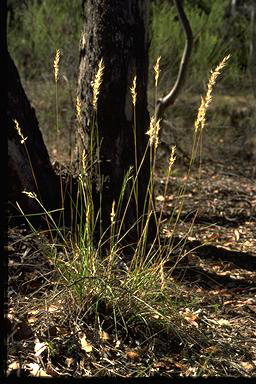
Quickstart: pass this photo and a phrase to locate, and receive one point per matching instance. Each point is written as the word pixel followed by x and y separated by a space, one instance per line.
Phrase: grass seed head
pixel 112 215
pixel 17 126
pixel 78 109
pixel 157 70
pixel 84 158
pixel 56 65
pixel 205 101
pixel 172 157
pixel 31 195
pixel 153 131
pixel 133 91
pixel 96 84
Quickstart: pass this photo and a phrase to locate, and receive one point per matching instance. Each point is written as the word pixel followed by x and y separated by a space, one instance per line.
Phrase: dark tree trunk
pixel 117 32
pixel 29 170
pixel 252 57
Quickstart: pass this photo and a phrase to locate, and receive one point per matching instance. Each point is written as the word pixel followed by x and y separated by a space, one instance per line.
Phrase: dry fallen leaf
pixel 32 320
pixel 39 348
pixel 212 349
pixel 224 323
pixel 237 234
pixel 213 236
pixel 69 361
pixel 13 366
pixel 54 308
pixel 51 371
pixel 37 371
pixel 87 347
pixel 104 336
pixel 247 366
pixel 190 316
pixel 133 355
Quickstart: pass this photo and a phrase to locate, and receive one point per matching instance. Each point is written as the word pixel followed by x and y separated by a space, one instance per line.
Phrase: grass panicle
pixel 23 141
pixel 205 101
pixel 133 91
pixel 153 132
pixel 78 109
pixel 172 157
pixel 56 63
pixel 157 70
pixel 18 129
pixel 97 83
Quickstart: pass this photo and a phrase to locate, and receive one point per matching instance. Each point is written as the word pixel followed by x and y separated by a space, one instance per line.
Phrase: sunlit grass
pixel 133 287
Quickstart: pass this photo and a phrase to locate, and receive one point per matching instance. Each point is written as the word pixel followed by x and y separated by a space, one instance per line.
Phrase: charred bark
pixel 117 32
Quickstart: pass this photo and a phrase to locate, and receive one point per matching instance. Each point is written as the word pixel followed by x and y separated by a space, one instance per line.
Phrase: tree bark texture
pixel 30 169
pixel 117 32
pixel 253 46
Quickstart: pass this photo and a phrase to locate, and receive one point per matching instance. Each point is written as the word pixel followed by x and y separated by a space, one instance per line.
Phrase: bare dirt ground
pixel 214 286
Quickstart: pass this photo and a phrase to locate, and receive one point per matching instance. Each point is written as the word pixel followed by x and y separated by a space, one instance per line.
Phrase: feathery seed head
pixel 17 126
pixel 153 131
pixel 133 90
pixel 172 157
pixel 112 215
pixel 56 65
pixel 205 101
pixel 200 120
pixel 32 195
pixel 84 157
pixel 96 84
pixel 157 70
pixel 78 109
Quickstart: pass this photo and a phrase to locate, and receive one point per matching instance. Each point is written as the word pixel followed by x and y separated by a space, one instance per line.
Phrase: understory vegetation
pixel 159 307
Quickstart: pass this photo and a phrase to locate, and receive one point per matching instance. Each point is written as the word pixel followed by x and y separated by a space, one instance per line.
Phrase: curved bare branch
pixel 169 99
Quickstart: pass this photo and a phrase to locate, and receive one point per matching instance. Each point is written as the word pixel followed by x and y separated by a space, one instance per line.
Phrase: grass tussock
pixel 104 285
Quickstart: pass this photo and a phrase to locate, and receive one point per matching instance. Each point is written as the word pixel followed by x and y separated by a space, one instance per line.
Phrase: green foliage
pixel 214 37
pixel 37 28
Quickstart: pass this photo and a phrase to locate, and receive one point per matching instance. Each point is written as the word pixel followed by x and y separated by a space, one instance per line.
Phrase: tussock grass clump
pixel 115 292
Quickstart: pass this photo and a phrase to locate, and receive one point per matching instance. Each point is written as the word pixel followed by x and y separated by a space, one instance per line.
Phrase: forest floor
pixel 214 287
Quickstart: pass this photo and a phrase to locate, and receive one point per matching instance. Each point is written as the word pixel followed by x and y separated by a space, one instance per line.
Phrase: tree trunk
pixel 29 166
pixel 117 32
pixel 252 57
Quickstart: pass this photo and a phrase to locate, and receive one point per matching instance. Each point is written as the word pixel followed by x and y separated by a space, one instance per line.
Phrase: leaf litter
pixel 215 293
